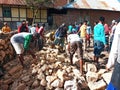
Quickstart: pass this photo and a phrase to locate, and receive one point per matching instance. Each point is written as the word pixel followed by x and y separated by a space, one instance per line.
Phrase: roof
pixel 23 2
pixel 112 5
pixel 13 2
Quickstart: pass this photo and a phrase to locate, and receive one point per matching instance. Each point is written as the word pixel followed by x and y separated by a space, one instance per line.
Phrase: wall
pixel 81 15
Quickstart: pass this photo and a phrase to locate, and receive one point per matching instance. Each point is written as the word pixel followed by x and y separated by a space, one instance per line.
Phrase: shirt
pixel 99 33
pixel 6 29
pixel 114 49
pixel 83 29
pixel 73 37
pixel 22 38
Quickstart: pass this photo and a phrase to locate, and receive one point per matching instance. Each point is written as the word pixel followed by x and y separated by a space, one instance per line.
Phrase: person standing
pixel 21 42
pixel 113 28
pixel 83 33
pixel 114 60
pixel 40 36
pixel 99 39
pixel 60 36
pixel 23 27
pixel 75 45
pixel 6 28
pixel 88 35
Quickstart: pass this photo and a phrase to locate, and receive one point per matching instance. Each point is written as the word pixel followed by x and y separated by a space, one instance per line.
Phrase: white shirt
pixel 114 48
pixel 33 30
pixel 73 37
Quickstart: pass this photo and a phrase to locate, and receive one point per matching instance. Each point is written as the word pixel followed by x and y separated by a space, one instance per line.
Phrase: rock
pixel 60 74
pixel 101 71
pixel 4 87
pixel 40 75
pixel 71 85
pixel 90 67
pixel 99 85
pixel 26 78
pixel 21 86
pixel 107 77
pixel 50 78
pixel 8 81
pixel 61 58
pixel 15 69
pixel 76 73
pixel 35 84
pixel 91 76
pixel 59 88
pixel 44 67
pixel 43 82
pixel 57 83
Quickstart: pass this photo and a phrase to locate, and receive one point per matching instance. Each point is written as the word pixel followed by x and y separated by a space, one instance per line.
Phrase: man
pixel 114 57
pixel 21 41
pixel 75 45
pixel 6 28
pixel 60 36
pixel 23 27
pixel 83 33
pixel 99 39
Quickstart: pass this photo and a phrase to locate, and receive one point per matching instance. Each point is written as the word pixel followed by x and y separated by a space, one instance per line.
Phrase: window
pixel 6 12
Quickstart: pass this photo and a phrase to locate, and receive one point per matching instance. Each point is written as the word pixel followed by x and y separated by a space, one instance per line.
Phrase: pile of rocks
pixel 6 49
pixel 53 72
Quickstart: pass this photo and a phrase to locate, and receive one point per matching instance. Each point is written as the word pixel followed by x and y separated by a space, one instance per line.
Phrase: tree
pixel 35 5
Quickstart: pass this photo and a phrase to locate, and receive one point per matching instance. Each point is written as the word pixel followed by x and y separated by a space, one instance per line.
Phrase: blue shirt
pixel 99 33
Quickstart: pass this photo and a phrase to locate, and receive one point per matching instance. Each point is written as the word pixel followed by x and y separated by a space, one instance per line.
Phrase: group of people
pixel 78 38
pixel 102 36
pixel 21 41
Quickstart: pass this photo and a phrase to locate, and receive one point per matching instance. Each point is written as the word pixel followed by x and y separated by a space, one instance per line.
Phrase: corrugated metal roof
pixel 113 5
pixel 13 2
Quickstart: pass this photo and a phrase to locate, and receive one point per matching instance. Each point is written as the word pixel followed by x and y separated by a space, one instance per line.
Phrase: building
pixel 89 10
pixel 15 11
pixel 67 11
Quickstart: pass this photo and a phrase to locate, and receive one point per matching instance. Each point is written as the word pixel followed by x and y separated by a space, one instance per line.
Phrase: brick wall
pixel 81 15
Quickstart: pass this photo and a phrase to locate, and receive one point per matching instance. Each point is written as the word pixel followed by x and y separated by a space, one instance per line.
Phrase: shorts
pixel 18 48
pixel 98 47
pixel 76 47
pixel 88 37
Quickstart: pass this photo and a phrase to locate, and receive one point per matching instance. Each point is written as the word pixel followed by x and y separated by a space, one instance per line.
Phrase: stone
pixel 8 81
pixel 90 67
pixel 91 76
pixel 26 78
pixel 57 83
pixel 76 73
pixel 71 85
pixel 35 84
pixel 21 86
pixel 50 78
pixel 107 77
pixel 43 82
pixel 99 85
pixel 4 87
pixel 40 76
pixel 15 69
